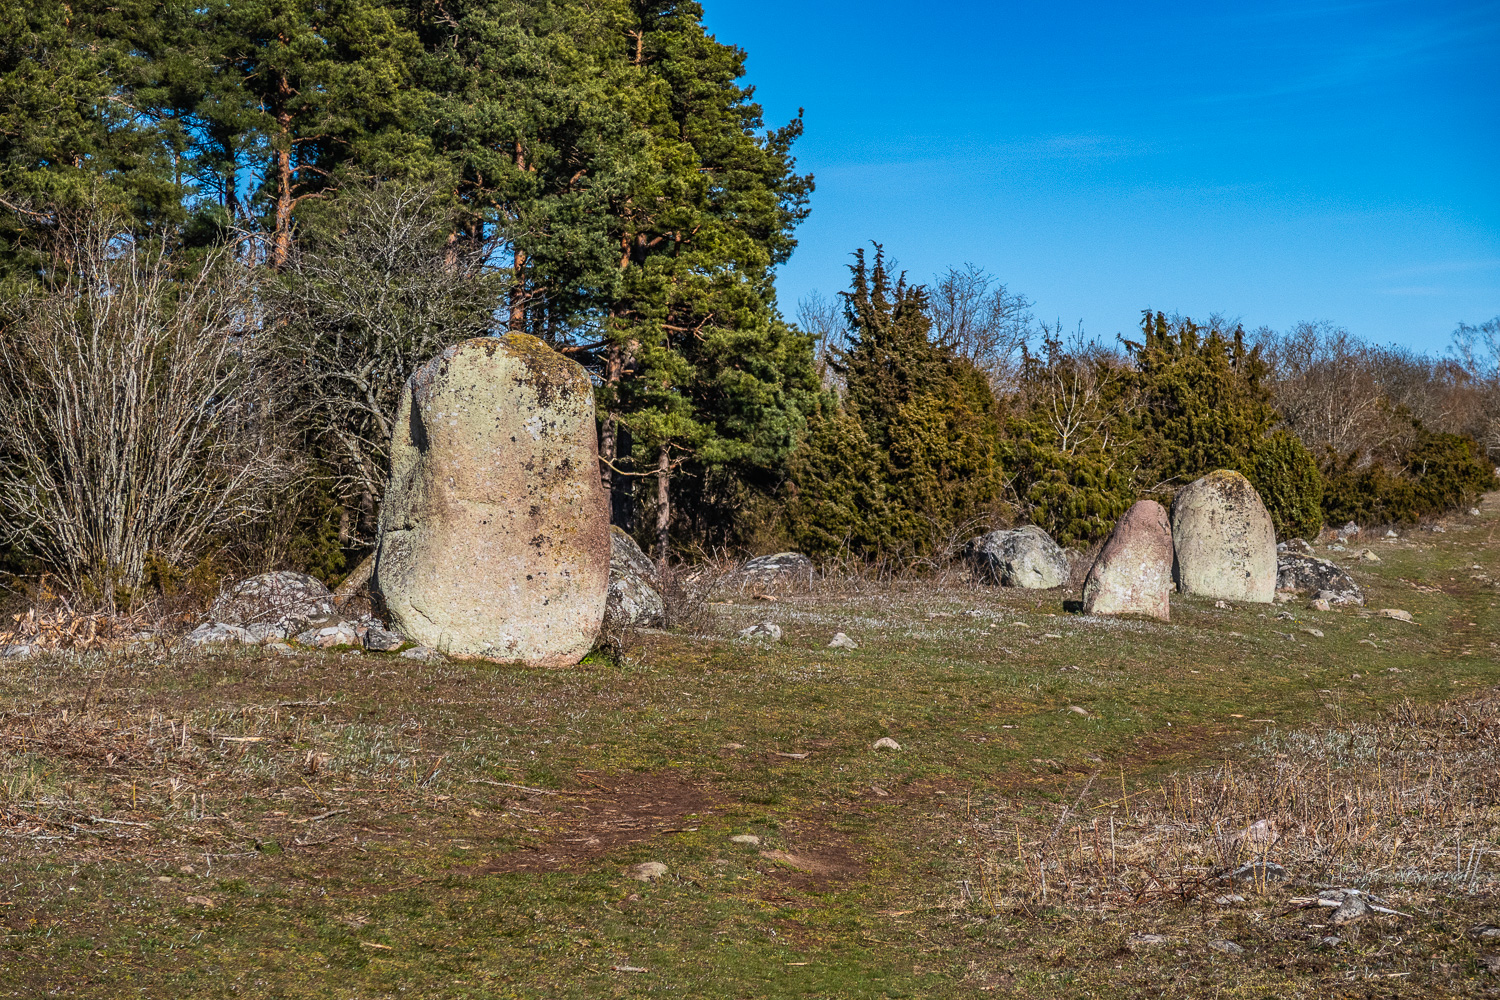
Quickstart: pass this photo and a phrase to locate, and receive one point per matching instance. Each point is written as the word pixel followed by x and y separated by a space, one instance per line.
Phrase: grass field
pixel 340 825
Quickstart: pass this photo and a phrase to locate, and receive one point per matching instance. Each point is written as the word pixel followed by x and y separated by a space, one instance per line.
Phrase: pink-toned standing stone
pixel 1133 574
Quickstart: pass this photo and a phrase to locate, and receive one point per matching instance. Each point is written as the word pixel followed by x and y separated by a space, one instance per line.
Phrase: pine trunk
pixel 663 502
pixel 518 294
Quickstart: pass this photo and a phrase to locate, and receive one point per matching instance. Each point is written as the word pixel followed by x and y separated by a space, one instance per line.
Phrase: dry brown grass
pixel 1409 802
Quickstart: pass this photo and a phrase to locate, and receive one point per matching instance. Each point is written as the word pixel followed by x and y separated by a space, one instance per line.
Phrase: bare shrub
pixel 131 416
pixel 376 287
pixel 982 321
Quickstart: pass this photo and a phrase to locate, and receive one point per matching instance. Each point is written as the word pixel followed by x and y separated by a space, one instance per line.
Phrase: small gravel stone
pixel 1227 947
pixel 1139 940
pixel 648 871
pixel 1396 613
pixel 382 640
pixel 1366 556
pixel 885 743
pixel 424 653
pixel 748 839
pixel 842 641
pixel 1321 605
pixel 281 649
pixel 762 630
pixel 17 652
pixel 1229 899
pixel 1330 941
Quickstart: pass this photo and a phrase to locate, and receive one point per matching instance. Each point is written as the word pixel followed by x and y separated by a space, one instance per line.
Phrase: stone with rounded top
pixel 1021 557
pixel 1133 574
pixel 1224 542
pixel 494 533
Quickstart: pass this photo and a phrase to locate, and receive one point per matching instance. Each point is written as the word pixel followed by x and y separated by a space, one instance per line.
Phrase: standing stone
pixel 1025 557
pixel 1133 574
pixel 1225 544
pixel 494 533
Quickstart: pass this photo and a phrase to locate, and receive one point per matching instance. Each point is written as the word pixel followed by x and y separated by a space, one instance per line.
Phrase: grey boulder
pixel 284 599
pixel 218 634
pixel 1020 557
pixel 778 569
pixel 1311 575
pixel 634 599
pixel 1224 542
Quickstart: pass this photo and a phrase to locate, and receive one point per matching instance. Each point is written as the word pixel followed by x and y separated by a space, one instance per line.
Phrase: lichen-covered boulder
pixel 634 599
pixel 1133 574
pixel 494 532
pixel 778 569
pixel 284 600
pixel 1022 557
pixel 1224 541
pixel 1327 580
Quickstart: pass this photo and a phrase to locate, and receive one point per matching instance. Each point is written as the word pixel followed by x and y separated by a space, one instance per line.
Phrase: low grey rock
pixel 1227 947
pixel 780 569
pixel 1485 932
pixel 424 653
pixel 842 641
pixel 263 633
pixel 634 593
pixel 1348 531
pixel 1229 899
pixel 748 839
pixel 1352 908
pixel 1473 511
pixel 17 652
pixel 281 649
pixel 1021 557
pixel 648 871
pixel 885 743
pixel 1321 604
pixel 1367 556
pixel 762 630
pixel 1147 940
pixel 1327 580
pixel 342 634
pixel 218 634
pixel 274 598
pixel 1295 546
pixel 1330 941
pixel 1257 871
pixel 1491 964
pixel 1391 534
pixel 381 640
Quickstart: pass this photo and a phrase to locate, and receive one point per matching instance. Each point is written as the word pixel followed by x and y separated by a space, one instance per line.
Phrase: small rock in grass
pixel 1330 941
pixel 1255 871
pixel 16 652
pixel 842 641
pixel 1391 534
pixel 202 901
pixel 748 839
pixel 1473 511
pixel 1229 899
pixel 885 743
pixel 1485 932
pixel 1366 556
pixel 1227 947
pixel 1351 909
pixel 1223 605
pixel 1491 964
pixel 1396 613
pixel 1080 710
pixel 1315 633
pixel 1321 605
pixel 281 649
pixel 264 633
pixel 762 630
pixel 382 640
pixel 341 634
pixel 424 653
pixel 1140 940
pixel 218 634
pixel 648 871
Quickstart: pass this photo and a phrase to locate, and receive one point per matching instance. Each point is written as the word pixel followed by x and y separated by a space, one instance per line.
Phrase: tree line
pixel 229 231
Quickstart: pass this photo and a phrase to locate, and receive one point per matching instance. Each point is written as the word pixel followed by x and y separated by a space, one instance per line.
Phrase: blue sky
pixel 1271 162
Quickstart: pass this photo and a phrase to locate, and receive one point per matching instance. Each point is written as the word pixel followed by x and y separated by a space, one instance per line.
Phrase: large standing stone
pixel 1133 574
pixel 1225 544
pixel 1023 557
pixel 494 533
pixel 634 599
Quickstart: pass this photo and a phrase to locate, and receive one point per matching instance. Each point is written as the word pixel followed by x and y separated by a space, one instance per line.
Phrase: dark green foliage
pixel 1203 404
pixel 909 456
pixel 1439 472
pixel 1286 475
pixel 836 500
